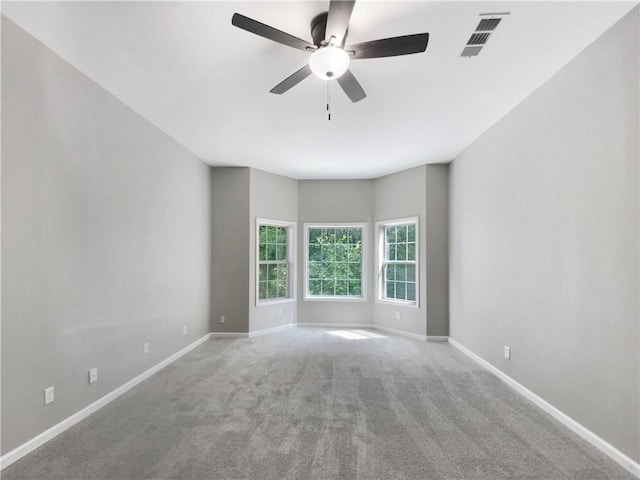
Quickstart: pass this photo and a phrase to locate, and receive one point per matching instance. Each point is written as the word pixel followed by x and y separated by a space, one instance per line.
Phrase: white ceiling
pixel 186 69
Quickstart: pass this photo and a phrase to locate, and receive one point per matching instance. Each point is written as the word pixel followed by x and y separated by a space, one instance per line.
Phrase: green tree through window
pixel 334 267
pixel 273 265
pixel 399 265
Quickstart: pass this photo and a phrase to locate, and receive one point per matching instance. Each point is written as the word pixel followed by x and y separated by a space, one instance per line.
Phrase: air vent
pixel 481 35
pixel 488 24
pixel 478 39
pixel 470 51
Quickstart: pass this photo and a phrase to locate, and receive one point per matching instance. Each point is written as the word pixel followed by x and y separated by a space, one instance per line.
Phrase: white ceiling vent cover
pixel 480 37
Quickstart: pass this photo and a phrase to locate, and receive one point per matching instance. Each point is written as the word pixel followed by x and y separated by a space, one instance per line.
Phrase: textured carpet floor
pixel 310 404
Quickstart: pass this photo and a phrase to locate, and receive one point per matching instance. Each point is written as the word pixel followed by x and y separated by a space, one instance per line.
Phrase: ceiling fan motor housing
pixel 319 28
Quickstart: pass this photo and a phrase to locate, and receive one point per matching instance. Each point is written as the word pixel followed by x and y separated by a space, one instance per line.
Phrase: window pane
pixel 281 252
pixel 314 236
pixel 315 287
pixel 329 252
pixel 281 235
pixel 334 256
pixel 262 234
pixel 390 234
pixel 282 289
pixel 315 253
pixel 390 252
pixel 401 290
pixel 341 271
pixel 328 287
pixel 315 270
pixel 282 272
pixel 262 273
pixel 401 252
pixel 271 234
pixel 391 292
pixel 262 290
pixel 354 254
pixel 355 288
pixel 271 251
pixel 390 272
pixel 401 272
pixel 355 271
pixel 272 272
pixel 342 288
pixel 274 289
pixel 402 234
pixel 262 255
pixel 327 271
pixel 411 235
pixel 411 273
pixel 411 291
pixel 342 252
pixel 411 251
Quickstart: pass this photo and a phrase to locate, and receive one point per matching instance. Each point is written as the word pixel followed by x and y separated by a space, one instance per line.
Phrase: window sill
pixel 398 303
pixel 336 299
pixel 275 301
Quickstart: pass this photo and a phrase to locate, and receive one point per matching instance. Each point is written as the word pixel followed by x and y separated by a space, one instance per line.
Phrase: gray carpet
pixel 309 404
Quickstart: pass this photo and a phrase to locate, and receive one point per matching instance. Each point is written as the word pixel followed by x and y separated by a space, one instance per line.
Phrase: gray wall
pixel 544 240
pixel 334 201
pixel 273 197
pixel 437 249
pixel 230 246
pixel 397 196
pixel 106 233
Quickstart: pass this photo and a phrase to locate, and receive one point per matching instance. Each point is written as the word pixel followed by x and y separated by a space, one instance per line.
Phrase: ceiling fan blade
pixel 389 47
pixel 291 80
pixel 351 87
pixel 338 20
pixel 271 33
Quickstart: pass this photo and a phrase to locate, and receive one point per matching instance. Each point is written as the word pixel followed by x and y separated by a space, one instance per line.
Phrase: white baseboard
pixel 437 338
pixel 601 444
pixel 229 335
pixel 39 440
pixel 336 325
pixel 266 331
pixel 415 336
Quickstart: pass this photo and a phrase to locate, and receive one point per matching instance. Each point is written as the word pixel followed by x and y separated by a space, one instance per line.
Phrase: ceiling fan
pixel 330 58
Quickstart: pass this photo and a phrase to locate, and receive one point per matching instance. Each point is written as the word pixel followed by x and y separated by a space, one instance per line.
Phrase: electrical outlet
pixel 93 375
pixel 145 347
pixel 49 395
pixel 507 353
pixel 221 318
pixel 397 315
pixel 184 329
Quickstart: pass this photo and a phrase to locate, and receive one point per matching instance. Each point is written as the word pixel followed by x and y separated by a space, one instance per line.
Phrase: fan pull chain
pixel 329 100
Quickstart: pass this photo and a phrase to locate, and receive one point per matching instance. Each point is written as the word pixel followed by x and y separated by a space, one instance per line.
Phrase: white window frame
pixel 364 257
pixel 380 260
pixel 290 261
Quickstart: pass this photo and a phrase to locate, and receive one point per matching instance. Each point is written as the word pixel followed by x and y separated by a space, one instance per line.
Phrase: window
pixel 274 278
pixel 398 266
pixel 335 260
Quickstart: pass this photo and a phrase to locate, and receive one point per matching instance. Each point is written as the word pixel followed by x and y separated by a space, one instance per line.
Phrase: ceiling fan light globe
pixel 329 62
